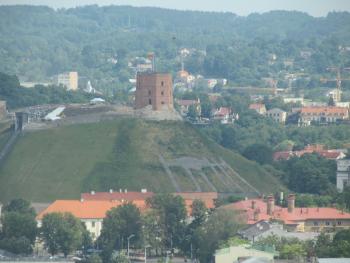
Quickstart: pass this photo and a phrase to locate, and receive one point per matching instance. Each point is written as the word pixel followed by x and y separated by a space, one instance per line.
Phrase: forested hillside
pixel 38 42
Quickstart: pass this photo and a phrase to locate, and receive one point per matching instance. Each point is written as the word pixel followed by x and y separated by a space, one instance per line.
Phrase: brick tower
pixel 154 89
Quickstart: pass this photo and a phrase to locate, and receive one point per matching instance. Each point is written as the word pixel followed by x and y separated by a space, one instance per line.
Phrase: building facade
pixel 277 115
pixel 3 109
pixel 69 80
pixel 343 174
pixel 154 89
pixel 296 219
pixel 321 114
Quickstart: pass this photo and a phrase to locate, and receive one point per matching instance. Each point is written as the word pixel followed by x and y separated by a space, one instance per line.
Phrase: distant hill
pixel 38 42
pixel 126 153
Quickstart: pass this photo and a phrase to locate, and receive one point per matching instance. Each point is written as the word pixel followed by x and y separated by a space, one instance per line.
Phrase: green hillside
pixel 125 153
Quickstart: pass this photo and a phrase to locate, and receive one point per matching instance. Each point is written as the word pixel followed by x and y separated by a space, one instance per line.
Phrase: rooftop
pixel 281 213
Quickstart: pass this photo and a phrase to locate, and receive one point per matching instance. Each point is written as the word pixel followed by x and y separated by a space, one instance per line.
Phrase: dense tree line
pixel 17 96
pixel 236 48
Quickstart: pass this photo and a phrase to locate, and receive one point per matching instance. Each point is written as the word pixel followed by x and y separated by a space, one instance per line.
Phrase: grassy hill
pixel 126 153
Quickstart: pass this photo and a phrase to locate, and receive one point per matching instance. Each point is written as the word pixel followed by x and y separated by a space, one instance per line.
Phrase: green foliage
pixel 310 173
pixel 119 224
pixel 171 213
pixel 19 206
pixel 61 232
pixel 94 258
pixel 17 96
pixel 60 40
pixel 259 153
pixel 220 226
pixel 19 227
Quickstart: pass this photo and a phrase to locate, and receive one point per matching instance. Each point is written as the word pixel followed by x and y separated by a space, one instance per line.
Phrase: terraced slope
pixel 125 153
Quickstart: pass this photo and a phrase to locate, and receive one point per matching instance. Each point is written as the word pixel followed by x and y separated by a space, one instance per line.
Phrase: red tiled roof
pixel 324 110
pixel 207 197
pixel 299 214
pixel 222 111
pixel 277 156
pixel 90 209
pixel 256 106
pixel 128 196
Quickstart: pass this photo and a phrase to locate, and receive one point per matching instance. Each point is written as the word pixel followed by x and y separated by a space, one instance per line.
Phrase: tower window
pixel 163 102
pixel 162 93
pixel 149 92
pixel 149 101
pixel 162 83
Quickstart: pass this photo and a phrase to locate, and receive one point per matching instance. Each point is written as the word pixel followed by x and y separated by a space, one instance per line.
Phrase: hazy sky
pixel 240 7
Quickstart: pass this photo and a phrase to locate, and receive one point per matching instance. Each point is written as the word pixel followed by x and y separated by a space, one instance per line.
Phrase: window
pixel 93 224
pixel 162 93
pixel 327 223
pixel 163 102
pixel 162 83
pixel 149 92
pixel 339 223
pixel 149 101
pixel 315 223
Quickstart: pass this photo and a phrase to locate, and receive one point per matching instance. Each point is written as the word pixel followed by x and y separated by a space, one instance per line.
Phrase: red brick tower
pixel 154 89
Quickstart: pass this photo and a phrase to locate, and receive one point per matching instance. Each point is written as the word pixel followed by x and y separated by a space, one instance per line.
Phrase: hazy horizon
pixel 240 7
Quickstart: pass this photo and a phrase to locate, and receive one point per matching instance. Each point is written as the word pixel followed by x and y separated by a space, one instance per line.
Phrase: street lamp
pixel 146 252
pixel 129 237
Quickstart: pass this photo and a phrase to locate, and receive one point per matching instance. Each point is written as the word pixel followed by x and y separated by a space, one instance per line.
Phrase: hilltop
pixel 125 153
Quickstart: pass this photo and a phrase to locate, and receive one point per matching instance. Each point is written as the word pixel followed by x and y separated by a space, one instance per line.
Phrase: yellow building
pixel 69 80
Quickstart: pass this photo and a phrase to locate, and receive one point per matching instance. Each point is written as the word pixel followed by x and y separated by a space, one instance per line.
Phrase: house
pixel 68 80
pixel 263 229
pixel 241 253
pixel 326 114
pixel 309 219
pixel 343 174
pixel 332 154
pixel 185 105
pixel 208 198
pixel 224 115
pixel 277 115
pixel 258 107
pixel 90 212
pixel 335 94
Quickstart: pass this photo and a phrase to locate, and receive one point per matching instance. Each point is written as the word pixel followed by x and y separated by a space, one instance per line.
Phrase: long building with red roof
pixel 93 207
pixel 309 219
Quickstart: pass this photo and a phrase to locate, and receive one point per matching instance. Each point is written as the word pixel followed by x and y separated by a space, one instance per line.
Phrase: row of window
pixel 323 114
pixel 161 93
pixel 316 223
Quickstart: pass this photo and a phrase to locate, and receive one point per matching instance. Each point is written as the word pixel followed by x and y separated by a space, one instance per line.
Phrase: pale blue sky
pixel 240 7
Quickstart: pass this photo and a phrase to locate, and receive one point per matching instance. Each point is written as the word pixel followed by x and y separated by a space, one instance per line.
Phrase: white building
pixel 277 115
pixel 68 80
pixel 343 174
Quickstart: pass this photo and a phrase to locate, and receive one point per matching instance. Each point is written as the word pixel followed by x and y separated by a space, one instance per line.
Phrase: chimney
pixel 270 205
pixel 126 190
pixel 92 192
pixel 144 190
pixel 120 190
pixel 81 199
pixel 291 203
pixel 253 204
pixel 111 191
pixel 256 215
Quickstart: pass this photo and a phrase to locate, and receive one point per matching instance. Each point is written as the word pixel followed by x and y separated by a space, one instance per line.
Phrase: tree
pixel 192 112
pixel 331 101
pixel 220 226
pixel 259 153
pixel 20 206
pixel 118 225
pixel 62 232
pixel 19 227
pixel 171 213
